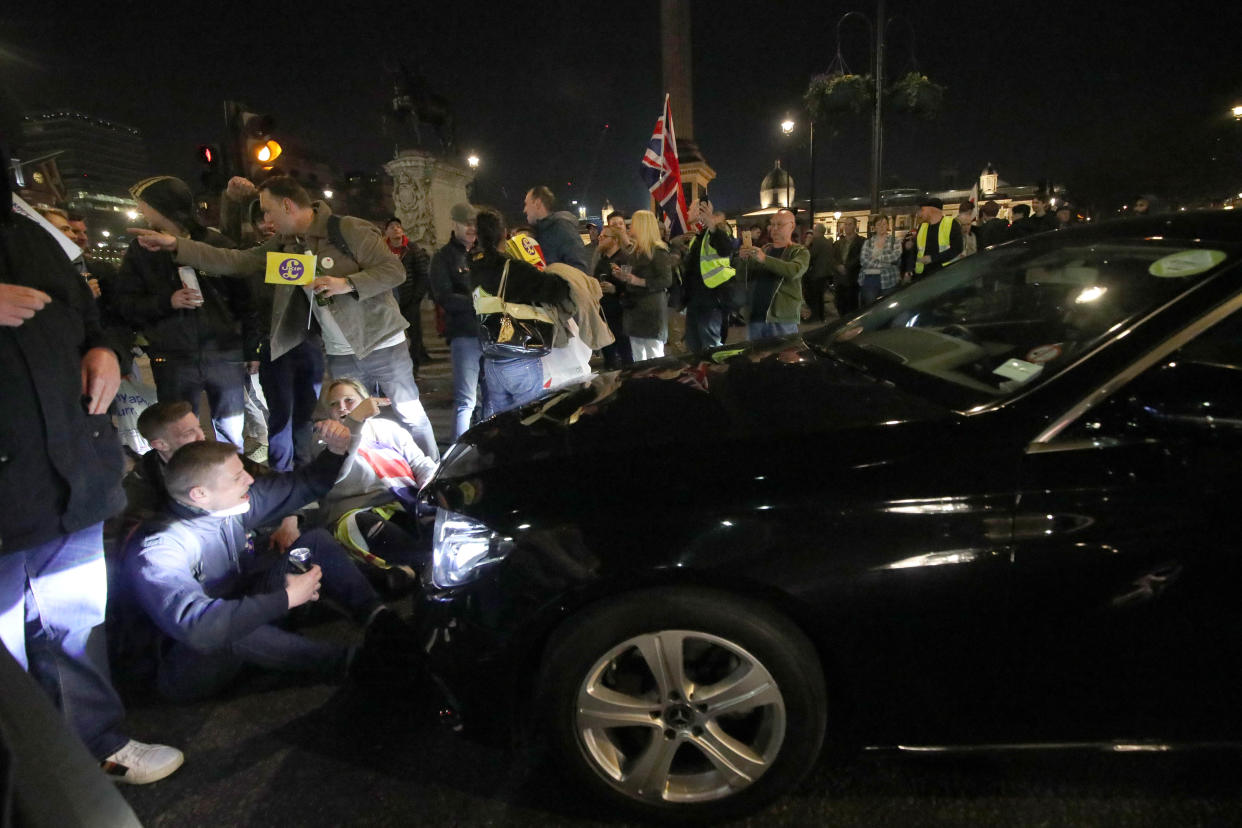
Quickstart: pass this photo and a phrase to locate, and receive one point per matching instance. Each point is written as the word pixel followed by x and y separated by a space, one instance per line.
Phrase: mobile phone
pixel 746 239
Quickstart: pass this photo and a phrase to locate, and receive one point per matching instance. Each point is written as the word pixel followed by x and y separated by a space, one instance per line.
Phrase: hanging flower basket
pixel 918 95
pixel 838 94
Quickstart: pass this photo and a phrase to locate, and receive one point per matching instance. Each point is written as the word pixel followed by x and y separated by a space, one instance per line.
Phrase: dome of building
pixel 777 189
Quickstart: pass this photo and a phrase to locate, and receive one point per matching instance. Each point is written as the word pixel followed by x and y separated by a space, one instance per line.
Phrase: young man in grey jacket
pixel 363 329
pixel 216 599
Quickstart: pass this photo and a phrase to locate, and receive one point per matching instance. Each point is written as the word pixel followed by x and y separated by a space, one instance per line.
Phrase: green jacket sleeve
pixel 222 261
pixel 790 269
pixel 379 269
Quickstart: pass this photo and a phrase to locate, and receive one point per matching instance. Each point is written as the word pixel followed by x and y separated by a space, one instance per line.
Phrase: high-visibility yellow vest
pixel 943 235
pixel 713 267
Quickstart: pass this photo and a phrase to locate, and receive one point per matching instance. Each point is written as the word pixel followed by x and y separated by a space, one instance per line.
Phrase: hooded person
pixel 202 331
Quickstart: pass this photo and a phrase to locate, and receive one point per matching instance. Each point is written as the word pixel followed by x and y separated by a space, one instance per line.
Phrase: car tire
pixel 737 718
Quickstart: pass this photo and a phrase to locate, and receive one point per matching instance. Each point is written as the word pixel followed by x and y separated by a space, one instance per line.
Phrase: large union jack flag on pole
pixel 662 173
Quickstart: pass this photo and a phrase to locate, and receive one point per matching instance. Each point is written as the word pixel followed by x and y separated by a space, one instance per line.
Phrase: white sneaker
pixel 138 763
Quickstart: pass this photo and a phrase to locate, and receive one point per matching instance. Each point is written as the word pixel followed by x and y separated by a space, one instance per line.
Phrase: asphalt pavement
pixel 273 754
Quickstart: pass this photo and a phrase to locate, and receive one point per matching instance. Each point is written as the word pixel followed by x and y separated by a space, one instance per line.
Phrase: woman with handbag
pixel 514 332
pixel 646 297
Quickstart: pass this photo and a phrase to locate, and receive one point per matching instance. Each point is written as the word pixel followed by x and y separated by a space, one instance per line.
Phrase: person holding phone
pixel 774 273
pixel 614 253
pixel 706 276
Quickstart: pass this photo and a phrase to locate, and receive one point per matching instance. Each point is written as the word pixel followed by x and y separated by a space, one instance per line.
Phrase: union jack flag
pixel 662 173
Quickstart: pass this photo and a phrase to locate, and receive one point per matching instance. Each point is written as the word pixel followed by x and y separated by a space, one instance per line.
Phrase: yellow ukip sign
pixel 290 269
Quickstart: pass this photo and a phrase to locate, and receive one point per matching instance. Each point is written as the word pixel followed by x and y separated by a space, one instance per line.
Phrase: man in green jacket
pixel 774 273
pixel 350 300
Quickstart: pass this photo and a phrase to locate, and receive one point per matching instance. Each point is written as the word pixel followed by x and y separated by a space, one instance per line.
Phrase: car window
pixel 1201 379
pixel 1009 318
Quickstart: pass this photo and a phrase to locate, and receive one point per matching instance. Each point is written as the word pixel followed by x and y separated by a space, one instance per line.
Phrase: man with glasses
pixel 774 273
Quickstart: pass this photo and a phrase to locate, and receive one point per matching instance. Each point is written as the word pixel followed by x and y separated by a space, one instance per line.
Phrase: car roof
pixel 1199 225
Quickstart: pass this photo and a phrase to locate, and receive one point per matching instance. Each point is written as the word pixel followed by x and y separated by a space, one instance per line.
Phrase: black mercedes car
pixel 992 509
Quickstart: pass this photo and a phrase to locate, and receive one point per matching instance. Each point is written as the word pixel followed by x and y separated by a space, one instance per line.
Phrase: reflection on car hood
pixel 751 391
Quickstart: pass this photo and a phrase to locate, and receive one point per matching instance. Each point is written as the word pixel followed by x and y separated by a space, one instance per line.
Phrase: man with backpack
pixel 350 300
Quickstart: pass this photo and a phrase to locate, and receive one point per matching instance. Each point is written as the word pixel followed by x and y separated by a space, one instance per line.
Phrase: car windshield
pixel 1009 318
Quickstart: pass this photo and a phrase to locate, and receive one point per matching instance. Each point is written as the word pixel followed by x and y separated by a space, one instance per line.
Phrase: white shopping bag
pixel 132 398
pixel 570 363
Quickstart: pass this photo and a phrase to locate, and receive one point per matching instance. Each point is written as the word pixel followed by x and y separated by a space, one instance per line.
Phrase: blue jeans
pixel 52 600
pixel 703 325
pixel 223 380
pixel 767 330
pixel 618 354
pixel 186 674
pixel 869 291
pixel 291 386
pixel 467 367
pixel 392 370
pixel 511 382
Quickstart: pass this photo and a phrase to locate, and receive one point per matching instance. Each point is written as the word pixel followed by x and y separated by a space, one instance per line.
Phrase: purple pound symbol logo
pixel 291 270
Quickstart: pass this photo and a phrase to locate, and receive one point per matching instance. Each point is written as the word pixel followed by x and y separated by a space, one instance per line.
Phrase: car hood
pixel 755 391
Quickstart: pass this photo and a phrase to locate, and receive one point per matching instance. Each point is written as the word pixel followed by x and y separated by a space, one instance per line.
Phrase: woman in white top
pixel 371 508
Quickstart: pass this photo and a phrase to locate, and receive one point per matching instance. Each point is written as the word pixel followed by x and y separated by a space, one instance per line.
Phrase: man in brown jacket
pixel 362 326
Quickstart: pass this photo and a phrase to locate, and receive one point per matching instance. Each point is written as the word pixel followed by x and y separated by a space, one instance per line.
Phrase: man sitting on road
pixel 216 599
pixel 167 426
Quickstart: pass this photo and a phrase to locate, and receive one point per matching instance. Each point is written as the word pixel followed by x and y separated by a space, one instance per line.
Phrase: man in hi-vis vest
pixel 938 241
pixel 704 275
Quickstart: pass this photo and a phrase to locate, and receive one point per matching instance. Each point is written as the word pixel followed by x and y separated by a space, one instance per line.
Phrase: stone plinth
pixel 424 188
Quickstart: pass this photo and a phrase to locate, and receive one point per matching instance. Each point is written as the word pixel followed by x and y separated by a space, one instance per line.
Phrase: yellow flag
pixel 290 269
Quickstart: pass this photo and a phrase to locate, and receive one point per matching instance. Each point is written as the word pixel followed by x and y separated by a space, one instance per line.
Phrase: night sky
pixel 1104 97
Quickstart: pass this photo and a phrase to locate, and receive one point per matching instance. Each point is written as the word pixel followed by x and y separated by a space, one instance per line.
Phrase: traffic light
pixel 260 150
pixel 212 175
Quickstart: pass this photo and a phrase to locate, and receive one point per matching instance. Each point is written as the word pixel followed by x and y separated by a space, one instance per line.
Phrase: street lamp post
pixel 787 126
pixel 472 160
pixel 877 122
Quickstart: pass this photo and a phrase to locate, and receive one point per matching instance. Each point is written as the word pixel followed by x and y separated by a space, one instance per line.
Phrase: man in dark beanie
pixel 938 241
pixel 202 330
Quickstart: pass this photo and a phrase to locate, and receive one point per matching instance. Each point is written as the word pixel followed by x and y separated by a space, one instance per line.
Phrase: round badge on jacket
pixel 328 262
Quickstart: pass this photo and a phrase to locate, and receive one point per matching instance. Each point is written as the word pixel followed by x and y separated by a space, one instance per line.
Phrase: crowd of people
pixel 195 557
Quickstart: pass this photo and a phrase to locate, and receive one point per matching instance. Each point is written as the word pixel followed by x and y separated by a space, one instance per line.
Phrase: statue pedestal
pixel 424 188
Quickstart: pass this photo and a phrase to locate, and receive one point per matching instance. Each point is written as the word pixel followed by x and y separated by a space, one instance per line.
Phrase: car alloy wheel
pixel 683 703
pixel 680 716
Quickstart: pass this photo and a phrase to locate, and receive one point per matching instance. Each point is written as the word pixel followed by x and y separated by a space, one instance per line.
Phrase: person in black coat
pixel 203 331
pixel 413 290
pixel 511 381
pixel 849 253
pixel 992 230
pixel 60 476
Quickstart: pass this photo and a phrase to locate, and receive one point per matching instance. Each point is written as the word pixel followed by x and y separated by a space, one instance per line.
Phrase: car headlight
pixel 462 547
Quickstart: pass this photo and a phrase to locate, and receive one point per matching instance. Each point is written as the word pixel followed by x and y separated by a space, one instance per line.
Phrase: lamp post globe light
pixel 787 127
pixel 473 161
pixel 1236 111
